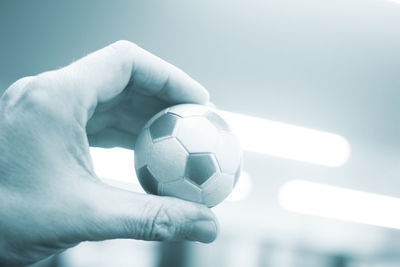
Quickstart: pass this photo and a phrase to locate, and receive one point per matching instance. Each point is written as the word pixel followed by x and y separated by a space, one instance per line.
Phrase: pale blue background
pixel 328 65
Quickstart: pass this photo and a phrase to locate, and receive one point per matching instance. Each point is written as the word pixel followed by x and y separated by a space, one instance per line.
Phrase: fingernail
pixel 203 231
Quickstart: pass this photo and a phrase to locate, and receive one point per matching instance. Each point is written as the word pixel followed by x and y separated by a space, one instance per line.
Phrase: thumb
pixel 118 213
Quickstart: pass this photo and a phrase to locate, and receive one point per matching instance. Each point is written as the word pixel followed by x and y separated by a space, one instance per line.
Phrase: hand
pixel 50 198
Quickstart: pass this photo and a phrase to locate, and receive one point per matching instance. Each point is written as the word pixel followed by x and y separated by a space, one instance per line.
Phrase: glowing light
pixel 115 163
pixel 242 188
pixel 340 203
pixel 288 141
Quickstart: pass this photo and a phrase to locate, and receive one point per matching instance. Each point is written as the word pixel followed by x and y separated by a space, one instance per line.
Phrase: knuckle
pixel 124 55
pixel 29 96
pixel 123 45
pixel 37 98
pixel 161 224
pixel 17 88
pixel 35 94
pixel 21 83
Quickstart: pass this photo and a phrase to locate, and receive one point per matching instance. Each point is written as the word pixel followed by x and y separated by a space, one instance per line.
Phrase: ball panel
pixel 143 149
pixel 182 189
pixel 228 153
pixel 194 139
pixel 217 121
pixel 188 110
pixel 200 167
pixel 217 189
pixel 155 117
pixel 163 126
pixel 147 180
pixel 168 160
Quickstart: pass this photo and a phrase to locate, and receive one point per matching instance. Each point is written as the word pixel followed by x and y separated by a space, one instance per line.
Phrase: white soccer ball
pixel 188 151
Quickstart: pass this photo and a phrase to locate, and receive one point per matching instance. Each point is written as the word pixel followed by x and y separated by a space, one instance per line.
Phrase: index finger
pixel 104 74
pixel 145 72
pixel 154 76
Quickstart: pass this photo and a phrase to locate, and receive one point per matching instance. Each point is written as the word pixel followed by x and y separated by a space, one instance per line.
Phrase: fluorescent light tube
pixel 340 203
pixel 114 163
pixel 288 141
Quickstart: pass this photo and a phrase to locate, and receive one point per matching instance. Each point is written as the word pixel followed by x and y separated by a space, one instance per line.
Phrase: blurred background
pixel 330 66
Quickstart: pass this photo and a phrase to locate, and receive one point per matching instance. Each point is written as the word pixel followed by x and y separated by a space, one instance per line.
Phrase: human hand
pixel 50 197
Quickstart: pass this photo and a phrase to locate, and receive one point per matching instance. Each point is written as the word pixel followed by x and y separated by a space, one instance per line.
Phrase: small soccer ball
pixel 188 151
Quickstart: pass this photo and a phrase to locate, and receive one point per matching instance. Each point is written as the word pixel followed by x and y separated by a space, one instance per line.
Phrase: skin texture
pixel 50 198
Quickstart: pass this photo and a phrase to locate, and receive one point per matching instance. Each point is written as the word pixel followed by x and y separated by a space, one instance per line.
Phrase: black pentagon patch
pixel 163 126
pixel 200 167
pixel 217 121
pixel 147 180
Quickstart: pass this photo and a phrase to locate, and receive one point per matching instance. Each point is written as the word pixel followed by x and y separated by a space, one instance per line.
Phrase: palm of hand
pixel 118 122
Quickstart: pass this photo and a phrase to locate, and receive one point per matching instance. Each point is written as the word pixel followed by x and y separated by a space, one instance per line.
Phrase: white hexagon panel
pixel 183 189
pixel 217 189
pixel 197 134
pixel 168 160
pixel 188 151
